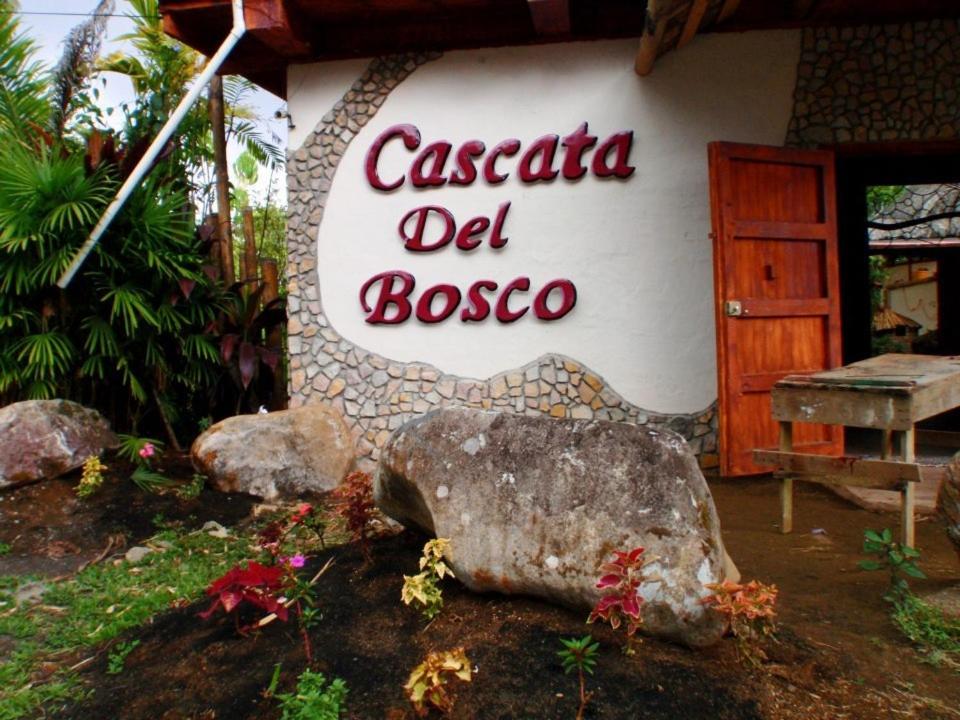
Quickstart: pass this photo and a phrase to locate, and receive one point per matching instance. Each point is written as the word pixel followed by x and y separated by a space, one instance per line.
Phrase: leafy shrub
pixel 427 687
pixel 356 493
pixel 897 559
pixel 92 477
pixel 748 610
pixel 314 698
pixel 621 601
pixel 937 635
pixel 424 587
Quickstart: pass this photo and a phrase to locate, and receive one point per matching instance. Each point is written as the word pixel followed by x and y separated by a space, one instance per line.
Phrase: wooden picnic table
pixel 891 393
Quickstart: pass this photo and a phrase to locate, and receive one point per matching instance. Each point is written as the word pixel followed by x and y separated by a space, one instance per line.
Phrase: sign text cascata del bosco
pixel 394 299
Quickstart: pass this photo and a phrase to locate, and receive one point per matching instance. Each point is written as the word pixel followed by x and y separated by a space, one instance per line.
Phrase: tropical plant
pixel 424 587
pixel 356 494
pixel 427 686
pixel 579 654
pixel 621 601
pixel 748 611
pixel 899 560
pixel 92 477
pixel 314 698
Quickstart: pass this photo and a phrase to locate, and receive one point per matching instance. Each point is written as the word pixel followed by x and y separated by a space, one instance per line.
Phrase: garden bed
pixel 836 654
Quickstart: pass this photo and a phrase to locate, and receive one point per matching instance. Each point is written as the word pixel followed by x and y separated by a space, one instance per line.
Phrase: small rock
pixel 215 529
pixel 137 553
pixel 29 593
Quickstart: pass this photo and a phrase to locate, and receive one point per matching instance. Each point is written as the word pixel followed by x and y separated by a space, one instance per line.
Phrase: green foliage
pixel 118 656
pixel 882 196
pixel 131 446
pixel 937 635
pixel 899 560
pixel 97 605
pixel 25 98
pixel 314 698
pixel 5 548
pixel 192 489
pixel 579 654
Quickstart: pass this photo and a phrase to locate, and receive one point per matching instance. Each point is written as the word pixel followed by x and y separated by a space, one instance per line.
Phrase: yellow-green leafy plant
pixel 92 477
pixel 427 687
pixel 424 587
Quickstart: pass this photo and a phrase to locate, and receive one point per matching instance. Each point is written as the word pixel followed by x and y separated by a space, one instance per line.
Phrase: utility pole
pixel 223 180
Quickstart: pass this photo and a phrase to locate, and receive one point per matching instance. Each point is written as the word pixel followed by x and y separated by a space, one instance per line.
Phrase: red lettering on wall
pixel 425 312
pixel 575 144
pixel 503 312
pixel 619 143
pixel 437 152
pixel 466 171
pixel 414 242
pixel 506 148
pixel 543 150
pixel 478 308
pixel 496 237
pixel 569 299
pixel 470 229
pixel 388 296
pixel 411 140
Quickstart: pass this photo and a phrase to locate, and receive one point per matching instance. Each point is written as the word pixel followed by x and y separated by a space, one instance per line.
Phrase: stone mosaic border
pixel 377 395
pixel 876 83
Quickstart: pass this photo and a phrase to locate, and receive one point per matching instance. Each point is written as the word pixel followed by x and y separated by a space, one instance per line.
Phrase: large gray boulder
pixel 42 439
pixel 535 505
pixel 283 454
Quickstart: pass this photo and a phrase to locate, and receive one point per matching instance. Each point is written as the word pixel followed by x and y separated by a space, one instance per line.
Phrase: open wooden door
pixel 777 290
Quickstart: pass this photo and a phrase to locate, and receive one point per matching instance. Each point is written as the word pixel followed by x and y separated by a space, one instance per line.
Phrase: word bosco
pixel 436 165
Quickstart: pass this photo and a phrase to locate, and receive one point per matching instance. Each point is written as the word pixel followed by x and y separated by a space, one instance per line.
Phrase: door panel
pixel 777 290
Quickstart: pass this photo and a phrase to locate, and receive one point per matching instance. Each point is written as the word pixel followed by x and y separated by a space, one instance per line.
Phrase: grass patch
pixel 937 635
pixel 96 606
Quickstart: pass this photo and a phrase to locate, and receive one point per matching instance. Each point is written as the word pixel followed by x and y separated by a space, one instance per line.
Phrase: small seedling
pixel 92 477
pixel 621 602
pixel 192 489
pixel 580 655
pixel 5 548
pixel 427 687
pixel 118 656
pixel 424 587
pixel 899 559
pixel 748 611
pixel 314 698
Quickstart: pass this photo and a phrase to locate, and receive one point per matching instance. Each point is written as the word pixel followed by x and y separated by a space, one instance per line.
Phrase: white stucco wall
pixel 637 250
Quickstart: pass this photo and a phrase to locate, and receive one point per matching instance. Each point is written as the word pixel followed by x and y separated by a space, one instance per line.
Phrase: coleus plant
pixel 620 604
pixel 257 585
pixel 748 611
pixel 356 493
pixel 427 687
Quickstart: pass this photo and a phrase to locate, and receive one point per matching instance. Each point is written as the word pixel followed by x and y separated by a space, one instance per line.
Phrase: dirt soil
pixel 836 655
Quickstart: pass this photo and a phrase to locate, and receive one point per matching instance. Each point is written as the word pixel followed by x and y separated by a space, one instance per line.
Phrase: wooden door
pixel 777 290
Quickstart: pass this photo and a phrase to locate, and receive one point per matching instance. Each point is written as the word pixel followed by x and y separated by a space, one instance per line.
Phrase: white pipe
pixel 236 32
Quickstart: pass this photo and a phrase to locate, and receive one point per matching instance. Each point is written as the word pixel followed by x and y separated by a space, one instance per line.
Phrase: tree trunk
pixel 223 179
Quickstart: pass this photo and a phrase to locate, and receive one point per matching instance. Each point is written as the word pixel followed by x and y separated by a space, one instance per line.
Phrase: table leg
pixel 786 483
pixel 908 493
pixel 886 449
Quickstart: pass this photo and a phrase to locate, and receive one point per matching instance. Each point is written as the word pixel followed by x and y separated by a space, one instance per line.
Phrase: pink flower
pixel 147 451
pixel 297 561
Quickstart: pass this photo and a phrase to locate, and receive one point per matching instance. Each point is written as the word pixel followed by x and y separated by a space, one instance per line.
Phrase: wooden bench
pixel 890 393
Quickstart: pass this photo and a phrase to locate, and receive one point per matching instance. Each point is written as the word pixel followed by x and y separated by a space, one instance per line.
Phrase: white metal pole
pixel 142 167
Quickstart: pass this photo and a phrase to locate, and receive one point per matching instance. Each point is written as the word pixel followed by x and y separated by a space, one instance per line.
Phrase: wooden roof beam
pixel 277 25
pixel 551 18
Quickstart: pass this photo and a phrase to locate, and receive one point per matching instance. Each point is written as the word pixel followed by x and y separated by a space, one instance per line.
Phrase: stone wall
pixel 377 395
pixel 876 83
